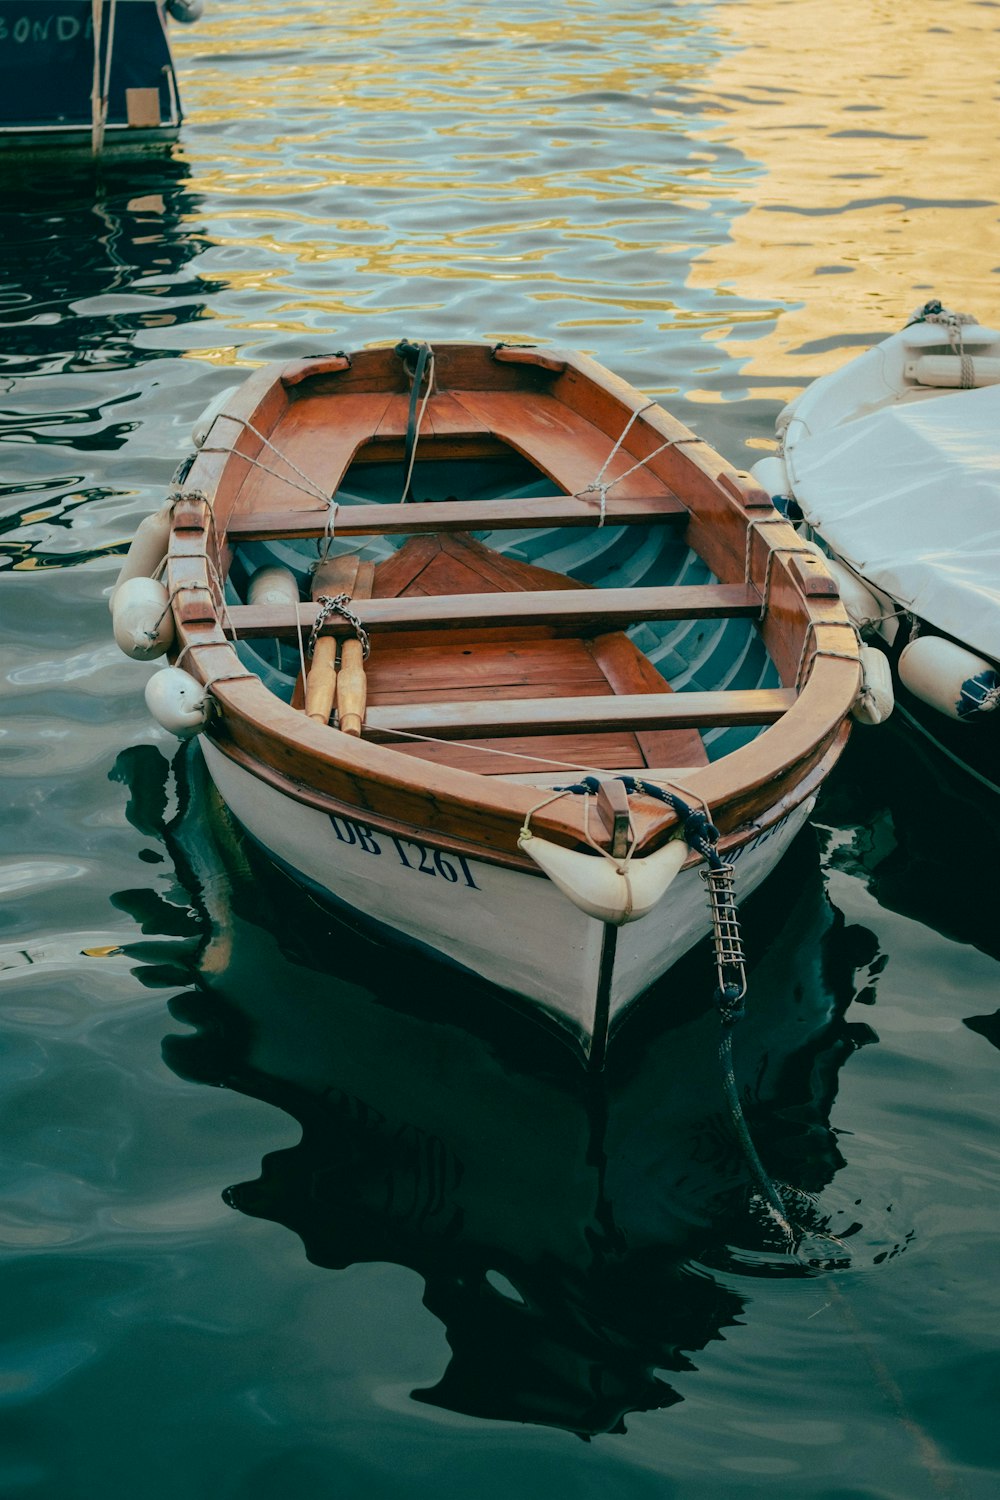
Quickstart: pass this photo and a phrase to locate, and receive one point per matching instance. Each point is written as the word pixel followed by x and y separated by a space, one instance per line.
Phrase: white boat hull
pixel 512 928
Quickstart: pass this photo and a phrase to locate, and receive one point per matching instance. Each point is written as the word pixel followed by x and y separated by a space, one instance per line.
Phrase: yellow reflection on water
pixel 876 125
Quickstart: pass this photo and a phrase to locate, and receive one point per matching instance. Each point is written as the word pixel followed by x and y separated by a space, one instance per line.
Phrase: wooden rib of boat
pixel 498 672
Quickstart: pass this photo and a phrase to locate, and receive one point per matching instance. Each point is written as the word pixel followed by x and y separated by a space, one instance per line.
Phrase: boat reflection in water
pixel 563 1221
pixel 912 825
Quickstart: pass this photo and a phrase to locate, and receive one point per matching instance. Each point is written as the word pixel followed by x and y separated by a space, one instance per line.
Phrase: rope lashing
pixel 599 487
pixel 309 485
pixel 330 605
pixel 753 524
pixel 953 323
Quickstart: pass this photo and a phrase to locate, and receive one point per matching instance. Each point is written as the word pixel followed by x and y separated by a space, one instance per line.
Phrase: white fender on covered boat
pixel 273 586
pixel 876 700
pixel 143 624
pixel 178 702
pixel 862 606
pixel 603 888
pixel 147 550
pixel 949 677
pixel 772 476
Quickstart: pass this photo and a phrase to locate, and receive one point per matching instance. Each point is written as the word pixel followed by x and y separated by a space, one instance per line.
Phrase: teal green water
pixel 273 1220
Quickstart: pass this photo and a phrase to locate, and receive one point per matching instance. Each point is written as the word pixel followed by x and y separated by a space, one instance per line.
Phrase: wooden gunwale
pixel 805 627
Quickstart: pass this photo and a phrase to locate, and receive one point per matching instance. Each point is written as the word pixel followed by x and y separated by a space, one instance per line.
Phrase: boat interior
pixel 490 502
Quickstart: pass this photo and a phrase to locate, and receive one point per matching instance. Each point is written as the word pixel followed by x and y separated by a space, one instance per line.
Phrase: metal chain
pixel 330 605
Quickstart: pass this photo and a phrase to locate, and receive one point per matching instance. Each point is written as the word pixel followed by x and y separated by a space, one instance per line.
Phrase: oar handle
pixel 321 684
pixel 352 688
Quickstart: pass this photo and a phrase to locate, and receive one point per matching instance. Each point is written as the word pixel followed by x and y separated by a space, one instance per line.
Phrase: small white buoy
pixel 147 550
pixel 273 586
pixel 863 608
pixel 143 623
pixel 772 476
pixel 876 700
pixel 601 887
pixel 949 677
pixel 178 702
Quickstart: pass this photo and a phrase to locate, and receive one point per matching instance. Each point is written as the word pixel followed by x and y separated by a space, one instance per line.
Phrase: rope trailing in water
pixel 701 835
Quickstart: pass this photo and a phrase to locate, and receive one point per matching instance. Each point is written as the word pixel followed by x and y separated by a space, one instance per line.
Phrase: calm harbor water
pixel 272 1221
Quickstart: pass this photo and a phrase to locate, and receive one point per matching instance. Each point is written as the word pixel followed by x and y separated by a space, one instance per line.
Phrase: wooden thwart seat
pixel 460 515
pixel 566 715
pixel 576 609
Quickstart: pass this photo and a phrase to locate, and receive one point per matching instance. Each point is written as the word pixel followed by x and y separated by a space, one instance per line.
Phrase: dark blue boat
pixel 96 75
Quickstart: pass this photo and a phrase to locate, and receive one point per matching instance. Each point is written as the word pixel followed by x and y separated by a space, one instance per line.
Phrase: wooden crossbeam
pixel 578 609
pixel 491 719
pixel 459 515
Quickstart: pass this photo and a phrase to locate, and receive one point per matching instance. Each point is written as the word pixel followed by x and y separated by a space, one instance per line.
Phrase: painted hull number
pixel 452 868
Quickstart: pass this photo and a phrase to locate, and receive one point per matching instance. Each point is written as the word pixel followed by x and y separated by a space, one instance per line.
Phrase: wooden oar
pixel 352 684
pixel 335 576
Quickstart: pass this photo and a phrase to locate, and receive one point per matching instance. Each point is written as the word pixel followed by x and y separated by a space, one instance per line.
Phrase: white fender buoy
pixel 876 700
pixel 273 586
pixel 143 623
pixel 772 476
pixel 147 550
pixel 603 888
pixel 863 608
pixel 178 702
pixel 949 677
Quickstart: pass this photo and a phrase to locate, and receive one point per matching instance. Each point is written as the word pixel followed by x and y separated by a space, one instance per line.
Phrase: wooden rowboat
pixel 478 494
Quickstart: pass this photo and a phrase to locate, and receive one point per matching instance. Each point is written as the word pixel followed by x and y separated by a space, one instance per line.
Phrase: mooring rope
pixel 100 90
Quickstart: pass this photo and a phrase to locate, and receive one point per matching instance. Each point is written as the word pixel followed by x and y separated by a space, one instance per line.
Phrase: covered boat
pixel 571 640
pixel 94 75
pixel 892 464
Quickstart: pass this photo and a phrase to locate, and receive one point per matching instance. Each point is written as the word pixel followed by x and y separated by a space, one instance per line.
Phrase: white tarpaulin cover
pixel 910 497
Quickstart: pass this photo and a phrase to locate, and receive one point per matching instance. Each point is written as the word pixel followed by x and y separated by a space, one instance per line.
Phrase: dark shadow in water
pixel 918 827
pixel 70 231
pixel 562 1221
pixel 92 256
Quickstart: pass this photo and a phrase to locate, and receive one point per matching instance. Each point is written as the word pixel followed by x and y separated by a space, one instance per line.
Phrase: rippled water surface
pixel 272 1221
